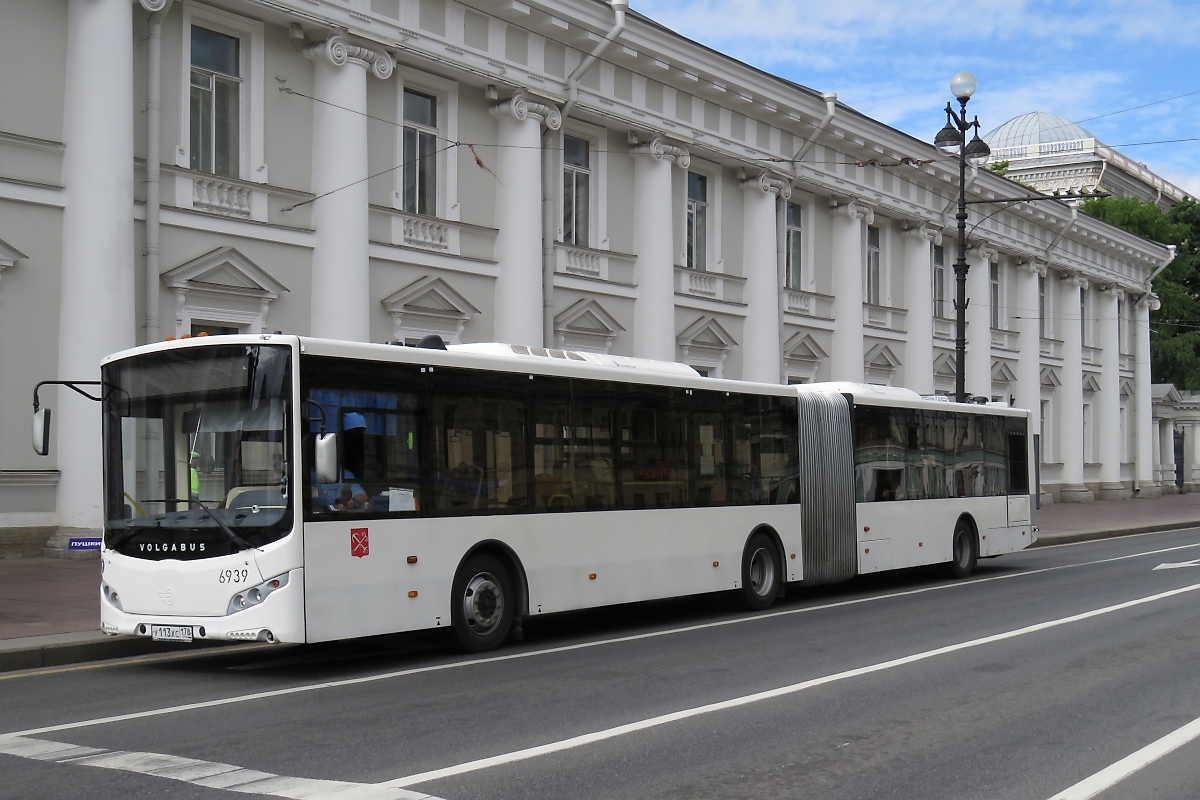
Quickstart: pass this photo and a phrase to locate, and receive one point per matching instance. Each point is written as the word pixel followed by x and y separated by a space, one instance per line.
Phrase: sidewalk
pixel 50 608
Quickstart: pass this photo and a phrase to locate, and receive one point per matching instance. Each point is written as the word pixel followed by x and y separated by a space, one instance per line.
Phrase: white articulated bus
pixel 282 488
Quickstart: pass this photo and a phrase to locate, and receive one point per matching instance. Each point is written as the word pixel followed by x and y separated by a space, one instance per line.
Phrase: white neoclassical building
pixel 545 172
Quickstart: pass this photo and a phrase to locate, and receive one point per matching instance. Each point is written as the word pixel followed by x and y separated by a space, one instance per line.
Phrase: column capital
pixel 768 183
pixel 930 233
pixel 1078 281
pixel 1149 300
pixel 1115 289
pixel 989 253
pixel 856 210
pixel 658 149
pixel 521 107
pixel 153 6
pixel 1034 266
pixel 339 50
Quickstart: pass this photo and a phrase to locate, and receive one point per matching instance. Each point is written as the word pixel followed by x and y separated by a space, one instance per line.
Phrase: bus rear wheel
pixel 760 573
pixel 965 556
pixel 482 604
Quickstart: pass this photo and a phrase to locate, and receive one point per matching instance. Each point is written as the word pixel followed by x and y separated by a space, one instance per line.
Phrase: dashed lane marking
pixel 210 774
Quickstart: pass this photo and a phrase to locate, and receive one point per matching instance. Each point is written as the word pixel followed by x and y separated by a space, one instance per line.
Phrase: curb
pixel 91 646
pixel 1112 533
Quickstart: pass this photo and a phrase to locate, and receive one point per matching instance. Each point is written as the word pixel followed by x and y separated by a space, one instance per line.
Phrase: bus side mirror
pixel 327 458
pixel 41 431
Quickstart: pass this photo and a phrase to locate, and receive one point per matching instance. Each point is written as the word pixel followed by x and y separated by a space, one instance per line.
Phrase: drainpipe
pixel 1063 232
pixel 830 99
pixel 158 9
pixel 618 7
pixel 549 174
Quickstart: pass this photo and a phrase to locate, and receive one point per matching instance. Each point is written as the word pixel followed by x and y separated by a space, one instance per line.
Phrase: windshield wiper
pixel 130 531
pixel 230 532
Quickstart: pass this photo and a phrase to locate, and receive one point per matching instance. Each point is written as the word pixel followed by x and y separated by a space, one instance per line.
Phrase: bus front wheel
pixel 760 573
pixel 965 555
pixel 483 604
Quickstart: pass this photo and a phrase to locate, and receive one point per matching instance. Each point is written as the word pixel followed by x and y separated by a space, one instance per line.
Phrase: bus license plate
pixel 171 633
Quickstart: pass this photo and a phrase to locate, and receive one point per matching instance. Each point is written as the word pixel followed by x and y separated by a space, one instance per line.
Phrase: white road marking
pixel 1179 564
pixel 687 713
pixel 211 774
pixel 494 659
pixel 1114 774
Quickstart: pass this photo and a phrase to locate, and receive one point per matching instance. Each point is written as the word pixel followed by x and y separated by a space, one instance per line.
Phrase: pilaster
pixel 1108 400
pixel 341 290
pixel 1029 368
pixel 849 254
pixel 518 298
pixel 762 358
pixel 918 298
pixel 978 373
pixel 96 301
pixel 653 237
pixel 1070 417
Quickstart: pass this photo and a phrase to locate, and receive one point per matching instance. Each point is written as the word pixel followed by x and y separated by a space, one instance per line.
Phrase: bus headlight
pixel 252 597
pixel 110 594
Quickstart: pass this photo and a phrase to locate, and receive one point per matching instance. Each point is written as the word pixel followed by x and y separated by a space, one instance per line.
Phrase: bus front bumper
pixel 278 618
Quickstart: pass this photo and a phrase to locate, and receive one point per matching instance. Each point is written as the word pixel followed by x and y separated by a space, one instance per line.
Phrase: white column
pixel 341 291
pixel 1167 449
pixel 96 301
pixel 979 322
pixel 849 254
pixel 653 240
pixel 1070 394
pixel 761 344
pixel 918 297
pixel 1108 401
pixel 1029 357
pixel 1145 459
pixel 518 303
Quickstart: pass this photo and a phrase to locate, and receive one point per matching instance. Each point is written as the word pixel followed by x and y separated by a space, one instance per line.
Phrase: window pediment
pixel 1002 373
pixel 429 305
pixel 586 325
pixel 9 255
pixel 224 270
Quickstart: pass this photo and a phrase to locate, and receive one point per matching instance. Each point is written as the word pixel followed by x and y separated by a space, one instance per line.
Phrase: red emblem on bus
pixel 360 545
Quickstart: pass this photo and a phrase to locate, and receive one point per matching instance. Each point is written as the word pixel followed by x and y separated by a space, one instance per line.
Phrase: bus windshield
pixel 197 451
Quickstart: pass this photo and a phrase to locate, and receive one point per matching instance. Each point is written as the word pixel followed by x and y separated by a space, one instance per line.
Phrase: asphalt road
pixel 1065 672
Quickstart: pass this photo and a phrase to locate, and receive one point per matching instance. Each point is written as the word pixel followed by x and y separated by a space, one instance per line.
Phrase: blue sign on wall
pixel 84 544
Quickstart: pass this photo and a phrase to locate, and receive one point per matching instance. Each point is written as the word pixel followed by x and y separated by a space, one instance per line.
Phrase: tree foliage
pixel 1175 327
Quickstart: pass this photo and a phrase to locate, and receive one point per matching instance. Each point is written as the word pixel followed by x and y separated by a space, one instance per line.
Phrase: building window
pixel 1042 306
pixel 577 189
pixel 792 241
pixel 994 273
pixel 939 281
pixel 697 222
pixel 215 103
pixel 873 272
pixel 420 153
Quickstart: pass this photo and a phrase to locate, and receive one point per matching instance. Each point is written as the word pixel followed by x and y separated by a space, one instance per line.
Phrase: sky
pixel 893 60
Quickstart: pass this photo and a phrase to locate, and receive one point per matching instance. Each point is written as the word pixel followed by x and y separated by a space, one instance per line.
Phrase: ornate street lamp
pixel 952 140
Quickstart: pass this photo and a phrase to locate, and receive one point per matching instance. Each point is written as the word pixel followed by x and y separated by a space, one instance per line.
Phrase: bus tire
pixel 760 573
pixel 482 604
pixel 964 552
